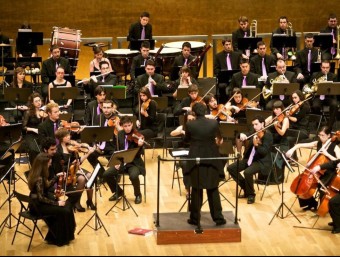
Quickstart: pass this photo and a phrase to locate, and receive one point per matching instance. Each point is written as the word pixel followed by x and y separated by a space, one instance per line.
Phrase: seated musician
pixel 105 78
pixel 98 57
pixel 126 140
pixel 332 27
pixel 51 123
pixel 185 58
pixel 94 108
pixel 329 149
pixel 261 63
pixel 187 102
pixel 242 32
pixel 281 75
pixel 329 100
pixel 69 150
pixel 184 81
pixel 216 111
pixel 334 202
pixel 57 83
pixel 244 77
pixel 146 115
pixel 141 59
pixel 150 79
pixel 257 158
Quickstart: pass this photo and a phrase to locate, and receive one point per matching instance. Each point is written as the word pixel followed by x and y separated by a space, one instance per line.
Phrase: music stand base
pixel 125 203
pixel 98 224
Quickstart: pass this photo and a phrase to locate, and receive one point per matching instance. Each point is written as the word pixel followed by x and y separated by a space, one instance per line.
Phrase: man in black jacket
pixel 94 108
pixel 261 63
pixel 141 59
pixel 244 77
pixel 328 53
pixel 141 29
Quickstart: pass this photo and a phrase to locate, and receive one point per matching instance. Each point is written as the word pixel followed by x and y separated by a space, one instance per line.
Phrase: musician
pixel 186 103
pixel 141 29
pixel 215 111
pixel 141 59
pixel 242 32
pixel 244 77
pixel 134 169
pixel 257 158
pixel 33 117
pixel 238 104
pixel 105 78
pixel 98 57
pixel 51 123
pixel 185 59
pixel 280 75
pixel 329 100
pixel 204 136
pixel 147 118
pixel 331 151
pixel 94 108
pixel 62 223
pixel 150 79
pixel 260 64
pixel 304 59
pixel 221 58
pixel 329 53
pixel 49 68
pixel 280 53
pixel 184 81
pixel 57 83
pixel 69 151
pixel 334 202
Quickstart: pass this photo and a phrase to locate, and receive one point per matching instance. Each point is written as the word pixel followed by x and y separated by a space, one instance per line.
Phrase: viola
pixel 145 105
pixel 112 122
pixel 243 104
pixel 135 136
pixel 3 121
pixel 294 109
pixel 220 112
pixel 72 126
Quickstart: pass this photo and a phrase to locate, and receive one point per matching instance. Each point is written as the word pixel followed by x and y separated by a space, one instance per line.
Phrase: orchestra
pixel 224 102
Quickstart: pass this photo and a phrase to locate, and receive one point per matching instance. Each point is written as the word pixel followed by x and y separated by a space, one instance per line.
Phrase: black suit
pixel 256 63
pixel 301 62
pixel 236 35
pixel 109 79
pixel 137 62
pixel 262 162
pixel 326 52
pixel 180 61
pixel 220 62
pixel 201 134
pixel 91 112
pixel 46 129
pixel 237 80
pixel 143 80
pixel 135 31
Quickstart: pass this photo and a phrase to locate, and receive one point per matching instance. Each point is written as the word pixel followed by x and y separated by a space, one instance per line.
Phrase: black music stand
pixel 283 40
pixel 97 221
pixel 250 93
pixel 11 132
pixel 63 93
pixel 285 89
pixel 123 157
pixel 115 92
pixel 96 134
pixel 30 38
pixel 248 43
pixel 328 88
pixel 323 40
pixel 283 204
pixel 182 92
pixel 231 130
pixel 224 76
pixel 136 44
pixel 18 95
pixel 174 75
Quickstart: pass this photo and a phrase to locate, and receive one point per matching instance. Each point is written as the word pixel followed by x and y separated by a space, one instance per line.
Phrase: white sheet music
pixel 180 153
pixel 89 183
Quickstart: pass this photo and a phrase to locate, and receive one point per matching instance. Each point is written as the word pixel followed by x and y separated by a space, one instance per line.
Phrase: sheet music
pixel 89 183
pixel 180 153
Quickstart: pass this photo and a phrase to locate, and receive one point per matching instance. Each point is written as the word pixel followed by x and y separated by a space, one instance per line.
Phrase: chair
pixel 161 132
pixel 175 173
pixel 24 213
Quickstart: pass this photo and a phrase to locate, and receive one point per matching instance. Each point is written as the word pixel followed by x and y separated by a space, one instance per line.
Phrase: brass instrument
pixel 319 55
pixel 308 89
pixel 290 33
pixel 337 56
pixel 253 28
pixel 279 79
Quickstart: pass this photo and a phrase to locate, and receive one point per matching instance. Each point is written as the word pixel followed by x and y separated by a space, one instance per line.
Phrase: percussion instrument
pixel 196 46
pixel 68 41
pixel 167 56
pixel 121 60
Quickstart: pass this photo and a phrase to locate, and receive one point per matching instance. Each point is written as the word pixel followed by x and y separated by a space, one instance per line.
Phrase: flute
pixel 88 79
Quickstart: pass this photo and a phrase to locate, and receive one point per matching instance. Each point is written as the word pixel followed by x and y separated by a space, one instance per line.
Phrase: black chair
pixel 24 213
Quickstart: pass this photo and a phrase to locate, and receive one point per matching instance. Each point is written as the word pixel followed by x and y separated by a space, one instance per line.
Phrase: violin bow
pixel 207 92
pixel 225 105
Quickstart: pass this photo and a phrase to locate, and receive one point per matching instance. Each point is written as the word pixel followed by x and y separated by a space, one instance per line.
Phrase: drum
pixel 167 56
pixel 68 41
pixel 121 60
pixel 196 46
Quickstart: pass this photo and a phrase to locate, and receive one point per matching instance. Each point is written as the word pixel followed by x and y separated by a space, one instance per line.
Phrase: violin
pixel 294 109
pixel 243 104
pixel 112 122
pixel 198 100
pixel 134 136
pixel 3 121
pixel 220 112
pixel 76 147
pixel 145 105
pixel 72 126
pixel 72 177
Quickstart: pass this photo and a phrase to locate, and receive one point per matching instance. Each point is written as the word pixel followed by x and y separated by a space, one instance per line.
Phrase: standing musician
pixel 242 32
pixel 257 158
pixel 332 27
pixel 330 100
pixel 49 68
pixel 204 136
pixel 141 59
pixel 330 151
pixel 33 117
pixel 69 150
pixel 59 82
pixel 98 57
pixel 127 140
pixel 62 223
pixel 141 29
pixel 146 114
pixel 334 202
pixel 105 78
pixel 184 81
pixel 216 111
pixel 94 108
pixel 244 77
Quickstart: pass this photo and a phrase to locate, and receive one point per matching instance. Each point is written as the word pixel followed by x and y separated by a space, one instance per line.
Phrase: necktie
pixel 55 129
pixel 186 62
pixel 103 144
pixel 126 145
pixel 144 62
pixel 251 156
pixel 309 59
pixel 56 66
pixel 228 62
pixel 98 110
pixel 264 70
pixel 103 79
pixel 244 82
pixel 151 86
pixel 333 49
pixel 143 33
pixel 245 34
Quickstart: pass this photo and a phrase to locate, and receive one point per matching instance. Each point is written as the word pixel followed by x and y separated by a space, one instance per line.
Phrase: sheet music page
pixel 89 183
pixel 180 153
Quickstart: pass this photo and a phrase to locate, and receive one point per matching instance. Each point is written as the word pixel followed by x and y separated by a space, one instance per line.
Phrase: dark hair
pixel 259 118
pixel 98 90
pixel 102 63
pixel 199 109
pixel 150 62
pixel 97 50
pixel 242 19
pixel 278 104
pixel 107 101
pixel 39 169
pixel 145 91
pixel 185 69
pixel 332 16
pixel 125 119
pixel 145 44
pixel 244 60
pixel 208 97
pixel 299 93
pixel 226 40
pixel 61 133
pixel 325 129
pixel 145 14
pixel 192 88
pixel 236 90
pixel 54 47
pixel 283 18
pixel 15 76
pixel 31 107
pixel 47 143
pixel 260 43
pixel 309 35
pixel 186 44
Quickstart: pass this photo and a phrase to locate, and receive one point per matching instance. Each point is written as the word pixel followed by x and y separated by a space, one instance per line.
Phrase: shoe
pixel 242 196
pixel 220 222
pixel 192 222
pixel 312 207
pixel 331 224
pixel 90 205
pixel 78 207
pixel 251 199
pixel 138 199
pixel 336 231
pixel 115 197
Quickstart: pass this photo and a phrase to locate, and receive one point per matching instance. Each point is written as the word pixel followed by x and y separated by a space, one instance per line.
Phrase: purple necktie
pixel 151 86
pixel 228 62
pixel 126 145
pixel 143 33
pixel 244 82
pixel 264 70
pixel 103 144
pixel 251 156
pixel 55 128
pixel 144 62
pixel 309 59
pixel 245 34
pixel 186 62
pixel 56 66
pixel 103 79
pixel 98 110
pixel 333 49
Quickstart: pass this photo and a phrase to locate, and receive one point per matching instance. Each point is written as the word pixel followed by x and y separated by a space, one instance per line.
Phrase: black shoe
pixel 115 196
pixel 312 207
pixel 78 207
pixel 138 199
pixel 220 222
pixel 192 222
pixel 331 224
pixel 90 205
pixel 251 199
pixel 242 196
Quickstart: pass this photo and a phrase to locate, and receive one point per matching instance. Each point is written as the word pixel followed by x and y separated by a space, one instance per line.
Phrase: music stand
pixel 136 44
pixel 286 89
pixel 323 40
pixel 63 93
pixel 328 88
pixel 97 221
pixel 18 95
pixel 283 40
pixel 162 102
pixel 174 75
pixel 182 92
pixel 246 43
pixel 30 38
pixel 250 93
pixel 231 130
pixel 96 134
pixel 115 92
pixel 11 132
pixel 121 158
pixel 224 76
